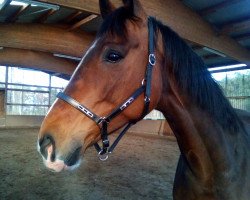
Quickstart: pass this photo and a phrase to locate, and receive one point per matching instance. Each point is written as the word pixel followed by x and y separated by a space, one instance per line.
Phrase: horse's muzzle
pixel 47 148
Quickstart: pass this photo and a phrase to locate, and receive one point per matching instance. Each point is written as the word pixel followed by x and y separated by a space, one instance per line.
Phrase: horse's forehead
pixel 135 30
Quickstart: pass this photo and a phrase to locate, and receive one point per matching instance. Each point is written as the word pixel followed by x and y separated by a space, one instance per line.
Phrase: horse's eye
pixel 113 57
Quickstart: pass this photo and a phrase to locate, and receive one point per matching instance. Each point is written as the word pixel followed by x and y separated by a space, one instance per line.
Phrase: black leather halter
pixel 103 122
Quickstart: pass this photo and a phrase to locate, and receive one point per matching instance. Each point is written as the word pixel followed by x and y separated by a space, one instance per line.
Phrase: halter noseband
pixel 103 122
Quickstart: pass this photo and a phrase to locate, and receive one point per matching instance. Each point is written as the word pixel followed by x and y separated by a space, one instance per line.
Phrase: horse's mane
pixel 190 72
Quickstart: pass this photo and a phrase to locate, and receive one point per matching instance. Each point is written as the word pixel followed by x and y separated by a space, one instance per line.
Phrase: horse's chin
pixel 59 165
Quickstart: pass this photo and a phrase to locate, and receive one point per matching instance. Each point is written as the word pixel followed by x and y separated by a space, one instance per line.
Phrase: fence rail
pixel 240 102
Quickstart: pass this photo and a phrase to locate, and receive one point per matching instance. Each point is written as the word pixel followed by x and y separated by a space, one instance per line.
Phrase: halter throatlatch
pixel 103 122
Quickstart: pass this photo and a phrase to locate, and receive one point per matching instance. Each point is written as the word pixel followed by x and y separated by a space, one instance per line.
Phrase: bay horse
pixel 137 64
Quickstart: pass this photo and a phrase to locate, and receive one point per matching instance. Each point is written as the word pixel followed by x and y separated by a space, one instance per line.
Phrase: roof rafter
pixel 46 15
pixel 36 60
pixel 83 21
pixel 45 38
pixel 181 19
pixel 15 16
pixel 72 16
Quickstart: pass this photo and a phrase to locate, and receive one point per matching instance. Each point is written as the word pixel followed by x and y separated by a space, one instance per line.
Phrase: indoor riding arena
pixel 41 44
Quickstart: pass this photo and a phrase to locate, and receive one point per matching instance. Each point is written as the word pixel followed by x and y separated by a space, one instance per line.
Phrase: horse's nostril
pixel 73 158
pixel 46 142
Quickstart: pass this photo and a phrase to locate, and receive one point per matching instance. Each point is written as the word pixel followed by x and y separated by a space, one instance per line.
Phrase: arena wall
pixel 16 120
pixel 2 108
pixel 158 127
pixel 23 121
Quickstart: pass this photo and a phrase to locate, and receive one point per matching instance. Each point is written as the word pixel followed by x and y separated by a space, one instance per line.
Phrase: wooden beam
pixel 15 16
pixel 214 8
pixel 45 38
pixel 36 60
pixel 91 6
pixel 83 21
pixel 187 23
pixel 72 17
pixel 46 15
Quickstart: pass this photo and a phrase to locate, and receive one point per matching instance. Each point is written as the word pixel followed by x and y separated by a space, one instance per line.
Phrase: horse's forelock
pixel 115 23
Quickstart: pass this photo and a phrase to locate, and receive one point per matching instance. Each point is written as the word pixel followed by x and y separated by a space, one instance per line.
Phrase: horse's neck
pixel 202 141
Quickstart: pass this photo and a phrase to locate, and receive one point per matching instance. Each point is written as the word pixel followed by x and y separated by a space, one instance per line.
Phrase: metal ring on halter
pixel 143 81
pixel 103 119
pixel 152 59
pixel 103 157
pixel 147 99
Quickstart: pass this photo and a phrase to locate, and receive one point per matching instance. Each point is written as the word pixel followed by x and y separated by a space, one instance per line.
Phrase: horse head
pixel 110 71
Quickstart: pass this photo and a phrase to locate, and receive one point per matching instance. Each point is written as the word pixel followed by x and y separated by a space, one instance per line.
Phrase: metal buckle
pixel 103 156
pixel 105 143
pixel 102 119
pixel 152 59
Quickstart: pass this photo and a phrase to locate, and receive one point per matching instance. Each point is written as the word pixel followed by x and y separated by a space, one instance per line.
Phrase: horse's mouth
pixel 72 162
pixel 59 165
pixel 74 157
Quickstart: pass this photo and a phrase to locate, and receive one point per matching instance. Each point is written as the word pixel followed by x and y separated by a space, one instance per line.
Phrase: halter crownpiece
pixel 102 122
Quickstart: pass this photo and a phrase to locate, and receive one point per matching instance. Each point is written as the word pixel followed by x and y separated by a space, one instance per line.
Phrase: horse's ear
pixel 105 7
pixel 135 7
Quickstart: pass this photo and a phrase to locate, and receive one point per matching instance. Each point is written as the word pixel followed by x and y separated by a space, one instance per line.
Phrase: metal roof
pixel 231 17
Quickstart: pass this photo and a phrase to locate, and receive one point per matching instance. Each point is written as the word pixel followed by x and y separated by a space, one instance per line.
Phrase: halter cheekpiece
pixel 103 122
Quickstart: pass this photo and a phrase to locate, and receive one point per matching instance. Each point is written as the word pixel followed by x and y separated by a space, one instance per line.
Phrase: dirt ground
pixel 141 167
